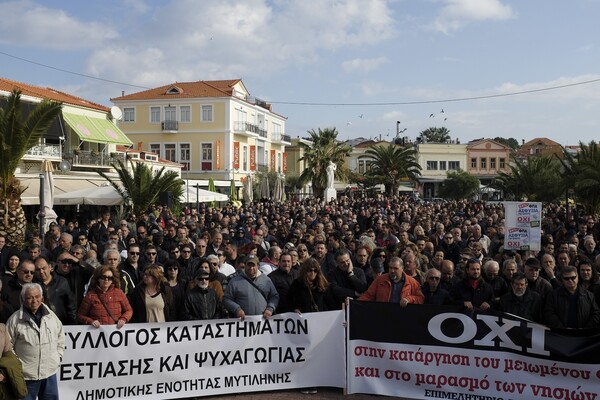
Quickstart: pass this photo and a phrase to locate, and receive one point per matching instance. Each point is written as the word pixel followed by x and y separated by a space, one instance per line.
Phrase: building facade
pixel 215 129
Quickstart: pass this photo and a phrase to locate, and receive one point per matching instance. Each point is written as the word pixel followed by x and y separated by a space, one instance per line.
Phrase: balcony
pixel 42 151
pixel 170 126
pixel 279 137
pixel 92 158
pixel 247 127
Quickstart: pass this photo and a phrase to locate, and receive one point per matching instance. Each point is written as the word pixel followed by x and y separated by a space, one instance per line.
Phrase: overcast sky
pixel 358 65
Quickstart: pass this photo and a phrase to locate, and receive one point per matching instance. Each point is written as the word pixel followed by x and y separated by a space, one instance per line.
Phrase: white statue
pixel 330 174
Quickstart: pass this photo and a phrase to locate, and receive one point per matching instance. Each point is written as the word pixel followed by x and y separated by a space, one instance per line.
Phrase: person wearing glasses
pixel 394 287
pixel 434 294
pixel 12 290
pixel 571 306
pixel 105 303
pixel 152 300
pixel 201 301
pixel 451 248
pixel 77 276
pixel 132 264
pixel 57 293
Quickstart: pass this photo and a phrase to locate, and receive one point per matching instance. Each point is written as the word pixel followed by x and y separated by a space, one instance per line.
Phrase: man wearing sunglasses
pixel 77 277
pixel 570 306
pixel 12 289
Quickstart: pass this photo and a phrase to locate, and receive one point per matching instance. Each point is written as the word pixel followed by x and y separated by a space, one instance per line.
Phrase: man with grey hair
pixel 38 339
pixel 491 274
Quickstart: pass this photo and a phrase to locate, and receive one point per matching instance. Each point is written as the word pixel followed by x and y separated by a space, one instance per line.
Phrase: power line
pixel 298 103
pixel 403 103
pixel 73 72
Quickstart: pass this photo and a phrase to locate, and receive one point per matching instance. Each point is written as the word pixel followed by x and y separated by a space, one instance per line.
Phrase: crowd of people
pixel 302 256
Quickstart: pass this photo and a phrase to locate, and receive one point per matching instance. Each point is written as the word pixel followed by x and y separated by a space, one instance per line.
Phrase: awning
pixel 96 130
pixel 31 195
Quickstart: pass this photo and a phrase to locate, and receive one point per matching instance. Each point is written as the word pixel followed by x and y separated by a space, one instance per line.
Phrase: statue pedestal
pixel 330 194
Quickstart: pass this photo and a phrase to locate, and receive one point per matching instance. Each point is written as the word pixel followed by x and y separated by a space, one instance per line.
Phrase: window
pixel 502 163
pixel 128 114
pixel 432 165
pixel 442 165
pixel 185 114
pixel 492 163
pixel 207 113
pixel 207 156
pixel 171 152
pixel 170 114
pixel 362 166
pixel 276 131
pixel 155 115
pixel 155 148
pixel 474 163
pixel 185 155
pixel 245 158
pixel 453 165
pixel 483 163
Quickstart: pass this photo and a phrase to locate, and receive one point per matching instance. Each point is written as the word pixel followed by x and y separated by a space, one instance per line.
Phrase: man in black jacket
pixel 345 280
pixel 473 292
pixel 202 302
pixel 520 300
pixel 570 306
pixel 57 293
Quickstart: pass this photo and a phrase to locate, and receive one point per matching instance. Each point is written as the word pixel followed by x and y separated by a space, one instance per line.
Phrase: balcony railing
pixel 172 126
pixel 84 158
pixel 280 137
pixel 243 126
pixel 44 151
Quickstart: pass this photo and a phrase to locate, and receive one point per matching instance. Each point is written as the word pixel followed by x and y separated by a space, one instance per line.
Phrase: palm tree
pixel 391 164
pixel 582 173
pixel 141 187
pixel 534 179
pixel 17 135
pixel 435 135
pixel 324 148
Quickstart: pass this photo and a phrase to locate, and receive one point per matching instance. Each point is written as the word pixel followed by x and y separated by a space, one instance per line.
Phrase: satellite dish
pixel 64 166
pixel 116 113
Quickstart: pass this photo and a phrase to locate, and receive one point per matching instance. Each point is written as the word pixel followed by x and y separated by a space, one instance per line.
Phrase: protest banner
pixel 436 352
pixel 523 225
pixel 203 358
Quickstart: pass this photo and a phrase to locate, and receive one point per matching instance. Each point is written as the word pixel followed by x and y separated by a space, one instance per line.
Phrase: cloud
pixel 458 13
pixel 27 23
pixel 364 64
pixel 217 39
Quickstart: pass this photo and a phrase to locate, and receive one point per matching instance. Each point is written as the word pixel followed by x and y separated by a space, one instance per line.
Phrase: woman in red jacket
pixel 105 303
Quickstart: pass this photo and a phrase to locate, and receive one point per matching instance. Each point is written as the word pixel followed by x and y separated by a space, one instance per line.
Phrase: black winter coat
pixel 202 304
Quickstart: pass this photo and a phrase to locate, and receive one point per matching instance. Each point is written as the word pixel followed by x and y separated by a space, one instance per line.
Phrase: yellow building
pixel 436 160
pixel 487 158
pixel 215 129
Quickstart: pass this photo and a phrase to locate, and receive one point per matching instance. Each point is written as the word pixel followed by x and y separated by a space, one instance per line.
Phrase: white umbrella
pixel 98 196
pixel 265 191
pixel 194 195
pixel 248 190
pixel 48 195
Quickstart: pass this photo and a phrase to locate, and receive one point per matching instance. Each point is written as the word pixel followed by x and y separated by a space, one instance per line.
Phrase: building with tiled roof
pixel 83 138
pixel 539 147
pixel 486 158
pixel 215 129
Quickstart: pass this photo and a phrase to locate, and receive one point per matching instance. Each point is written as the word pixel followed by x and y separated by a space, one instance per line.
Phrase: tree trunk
pixel 13 222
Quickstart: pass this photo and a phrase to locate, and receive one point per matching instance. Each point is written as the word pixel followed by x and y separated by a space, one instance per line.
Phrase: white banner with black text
pixel 203 358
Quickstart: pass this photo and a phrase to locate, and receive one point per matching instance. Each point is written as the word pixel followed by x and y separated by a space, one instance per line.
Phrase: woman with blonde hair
pixel 152 300
pixel 105 303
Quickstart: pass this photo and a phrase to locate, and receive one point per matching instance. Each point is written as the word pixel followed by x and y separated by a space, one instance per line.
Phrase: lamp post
pixel 42 213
